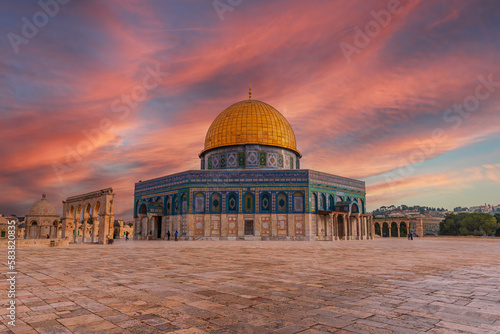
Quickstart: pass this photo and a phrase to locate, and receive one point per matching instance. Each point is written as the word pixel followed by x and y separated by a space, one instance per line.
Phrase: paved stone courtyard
pixel 378 286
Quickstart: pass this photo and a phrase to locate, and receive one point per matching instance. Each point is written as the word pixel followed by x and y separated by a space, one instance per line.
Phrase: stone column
pixel 104 227
pixel 94 230
pixel 336 226
pixel 63 233
pixel 329 226
pixel 358 227
pixel 367 232
pixel 75 232
pixel 399 230
pixel 345 221
pixel 390 228
pixel 84 230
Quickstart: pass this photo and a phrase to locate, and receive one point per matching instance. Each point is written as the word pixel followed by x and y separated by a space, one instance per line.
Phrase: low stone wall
pixel 36 242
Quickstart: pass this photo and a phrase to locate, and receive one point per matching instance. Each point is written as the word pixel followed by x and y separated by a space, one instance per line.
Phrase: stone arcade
pixel 89 217
pixel 250 186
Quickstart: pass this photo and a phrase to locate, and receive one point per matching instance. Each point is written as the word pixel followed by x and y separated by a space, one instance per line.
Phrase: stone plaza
pixel 433 285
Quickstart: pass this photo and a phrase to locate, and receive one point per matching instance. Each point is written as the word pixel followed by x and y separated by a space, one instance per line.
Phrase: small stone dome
pixel 43 208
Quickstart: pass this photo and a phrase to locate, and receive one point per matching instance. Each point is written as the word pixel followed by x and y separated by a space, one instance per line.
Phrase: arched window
pixel 314 203
pixel 282 202
pixel 248 203
pixel 184 203
pixel 215 203
pixel 331 205
pixel 168 205
pixel 362 206
pixel 199 203
pixel 175 205
pixel 143 210
pixel 339 199
pixel 232 203
pixel 265 202
pixel 354 208
pixel 322 203
pixel 298 202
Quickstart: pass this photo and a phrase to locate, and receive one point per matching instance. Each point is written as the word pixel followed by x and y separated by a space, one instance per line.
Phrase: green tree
pixel 450 225
pixel 497 217
pixel 469 224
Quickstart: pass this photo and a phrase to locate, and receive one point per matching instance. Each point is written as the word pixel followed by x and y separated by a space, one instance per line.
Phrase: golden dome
pixel 250 122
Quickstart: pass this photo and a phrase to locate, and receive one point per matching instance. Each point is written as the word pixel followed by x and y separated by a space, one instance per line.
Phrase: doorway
pixel 158 226
pixel 249 227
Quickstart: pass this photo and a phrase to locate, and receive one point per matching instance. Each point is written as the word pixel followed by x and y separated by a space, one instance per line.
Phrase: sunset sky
pixel 412 107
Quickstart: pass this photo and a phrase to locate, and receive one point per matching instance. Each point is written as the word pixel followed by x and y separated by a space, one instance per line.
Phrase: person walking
pixel 411 236
pixel 126 236
pixel 168 235
pixel 176 234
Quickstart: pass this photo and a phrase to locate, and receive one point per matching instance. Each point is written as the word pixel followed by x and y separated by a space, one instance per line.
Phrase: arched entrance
pixel 378 230
pixel 340 226
pixel 385 229
pixel 33 230
pixel 394 230
pixel 403 230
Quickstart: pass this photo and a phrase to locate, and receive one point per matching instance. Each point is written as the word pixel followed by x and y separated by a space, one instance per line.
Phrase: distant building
pixel 4 226
pixel 42 221
pixel 120 228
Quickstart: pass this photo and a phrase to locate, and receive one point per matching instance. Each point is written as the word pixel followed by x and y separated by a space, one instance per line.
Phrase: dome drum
pixel 250 156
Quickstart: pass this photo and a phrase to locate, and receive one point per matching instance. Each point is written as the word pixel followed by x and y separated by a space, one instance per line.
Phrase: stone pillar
pixel 336 226
pixel 367 231
pixel 346 229
pixel 75 233
pixel 94 230
pixel 104 223
pixel 63 235
pixel 372 228
pixel 84 230
pixel 399 230
pixel 358 227
pixel 329 226
pixel 390 228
